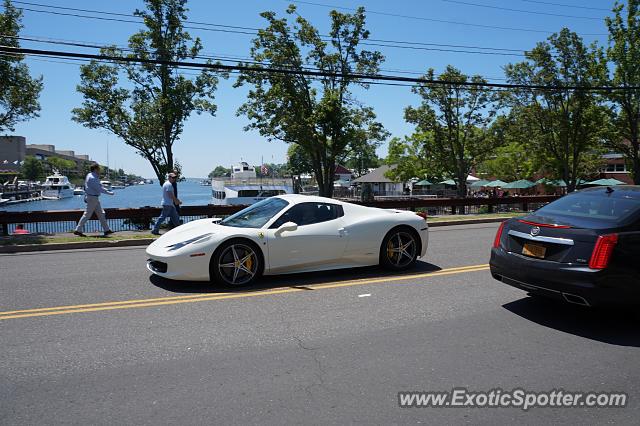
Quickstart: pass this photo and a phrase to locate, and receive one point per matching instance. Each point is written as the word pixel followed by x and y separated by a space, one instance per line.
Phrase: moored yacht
pixel 57 187
pixel 106 184
pixel 243 187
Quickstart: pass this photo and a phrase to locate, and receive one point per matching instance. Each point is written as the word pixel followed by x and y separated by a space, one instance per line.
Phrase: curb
pixel 74 246
pixel 147 241
pixel 467 222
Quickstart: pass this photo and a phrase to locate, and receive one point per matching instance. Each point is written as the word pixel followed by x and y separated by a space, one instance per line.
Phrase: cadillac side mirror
pixel 286 227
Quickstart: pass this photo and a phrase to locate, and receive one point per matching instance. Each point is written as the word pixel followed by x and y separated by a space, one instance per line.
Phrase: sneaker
pixel 107 233
pixel 155 232
pixel 78 233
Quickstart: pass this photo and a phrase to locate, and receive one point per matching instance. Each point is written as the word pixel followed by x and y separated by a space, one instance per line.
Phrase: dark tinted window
pixel 600 208
pixel 309 213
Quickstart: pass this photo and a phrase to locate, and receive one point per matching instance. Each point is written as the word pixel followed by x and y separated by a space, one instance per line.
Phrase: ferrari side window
pixel 309 213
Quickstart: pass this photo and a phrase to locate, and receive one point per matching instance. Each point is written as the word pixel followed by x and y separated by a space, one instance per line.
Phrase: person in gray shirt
pixel 169 203
pixel 92 191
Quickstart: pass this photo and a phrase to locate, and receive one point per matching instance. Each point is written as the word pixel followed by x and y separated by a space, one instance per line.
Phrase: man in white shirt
pixel 92 191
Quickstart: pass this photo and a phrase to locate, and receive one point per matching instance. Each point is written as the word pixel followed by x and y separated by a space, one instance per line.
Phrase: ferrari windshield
pixel 256 215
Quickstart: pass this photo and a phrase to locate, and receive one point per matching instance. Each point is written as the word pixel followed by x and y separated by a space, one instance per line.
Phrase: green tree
pixel 32 168
pixel 624 53
pixel 298 161
pixel 18 91
pixel 320 114
pixel 220 171
pixel 61 165
pixel 361 156
pixel 511 162
pixel 455 120
pixel 410 158
pixel 148 112
pixel 563 126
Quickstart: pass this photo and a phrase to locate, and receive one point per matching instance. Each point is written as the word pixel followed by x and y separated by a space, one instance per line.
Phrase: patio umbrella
pixel 519 184
pixel 423 182
pixel 448 182
pixel 496 183
pixel 557 182
pixel 605 182
pixel 479 183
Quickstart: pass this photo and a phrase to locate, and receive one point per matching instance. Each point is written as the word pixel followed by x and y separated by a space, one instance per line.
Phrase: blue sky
pixel 210 141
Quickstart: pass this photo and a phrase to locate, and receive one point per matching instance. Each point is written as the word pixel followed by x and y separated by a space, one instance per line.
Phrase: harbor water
pixel 190 192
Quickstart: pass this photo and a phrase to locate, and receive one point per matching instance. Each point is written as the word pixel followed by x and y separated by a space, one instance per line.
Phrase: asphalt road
pixel 88 337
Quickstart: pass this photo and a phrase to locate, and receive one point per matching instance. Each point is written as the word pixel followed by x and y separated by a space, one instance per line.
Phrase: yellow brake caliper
pixel 390 250
pixel 249 262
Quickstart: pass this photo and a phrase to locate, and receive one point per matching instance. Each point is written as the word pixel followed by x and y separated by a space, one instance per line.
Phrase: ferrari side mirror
pixel 286 227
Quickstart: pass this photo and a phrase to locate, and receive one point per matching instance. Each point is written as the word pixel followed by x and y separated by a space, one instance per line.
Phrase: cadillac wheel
pixel 236 263
pixel 399 249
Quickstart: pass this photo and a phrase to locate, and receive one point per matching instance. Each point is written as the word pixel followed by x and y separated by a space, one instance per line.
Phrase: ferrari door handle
pixel 342 232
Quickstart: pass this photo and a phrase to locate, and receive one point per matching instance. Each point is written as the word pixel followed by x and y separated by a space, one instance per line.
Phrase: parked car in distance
pixel 287 234
pixel 583 248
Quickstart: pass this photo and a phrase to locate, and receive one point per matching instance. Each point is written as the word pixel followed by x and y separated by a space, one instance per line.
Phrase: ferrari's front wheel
pixel 236 263
pixel 399 250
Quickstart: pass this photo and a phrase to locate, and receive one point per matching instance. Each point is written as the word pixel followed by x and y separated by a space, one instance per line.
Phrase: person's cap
pixel 172 175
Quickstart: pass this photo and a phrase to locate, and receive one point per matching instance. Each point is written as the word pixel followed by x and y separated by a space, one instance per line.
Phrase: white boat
pixel 78 190
pixel 118 185
pixel 106 184
pixel 57 187
pixel 243 187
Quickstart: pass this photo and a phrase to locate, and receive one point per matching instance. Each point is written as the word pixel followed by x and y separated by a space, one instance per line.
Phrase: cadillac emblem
pixel 535 231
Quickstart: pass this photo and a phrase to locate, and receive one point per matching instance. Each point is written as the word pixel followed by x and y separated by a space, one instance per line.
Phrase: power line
pixel 218 57
pixel 566 5
pixel 486 6
pixel 397 44
pixel 421 18
pixel 286 71
pixel 79 62
pixel 212 57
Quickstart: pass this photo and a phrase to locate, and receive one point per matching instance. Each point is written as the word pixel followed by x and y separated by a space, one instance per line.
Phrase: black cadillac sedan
pixel 583 248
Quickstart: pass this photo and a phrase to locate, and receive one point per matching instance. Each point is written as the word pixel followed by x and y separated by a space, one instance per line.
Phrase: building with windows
pixel 616 168
pixel 14 149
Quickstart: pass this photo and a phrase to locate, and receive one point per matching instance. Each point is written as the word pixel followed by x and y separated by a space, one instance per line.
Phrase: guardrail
pixel 139 218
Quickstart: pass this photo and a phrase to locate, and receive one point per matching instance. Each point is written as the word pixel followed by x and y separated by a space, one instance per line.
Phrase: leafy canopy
pixel 18 91
pixel 562 126
pixel 148 110
pixel 319 114
pixel 624 54
pixel 453 123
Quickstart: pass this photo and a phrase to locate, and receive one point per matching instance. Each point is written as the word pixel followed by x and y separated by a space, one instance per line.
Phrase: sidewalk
pixel 69 241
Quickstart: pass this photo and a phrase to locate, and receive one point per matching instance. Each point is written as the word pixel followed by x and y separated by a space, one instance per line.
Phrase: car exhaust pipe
pixel 575 299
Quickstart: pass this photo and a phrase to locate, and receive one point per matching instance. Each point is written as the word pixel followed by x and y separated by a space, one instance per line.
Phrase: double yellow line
pixel 146 303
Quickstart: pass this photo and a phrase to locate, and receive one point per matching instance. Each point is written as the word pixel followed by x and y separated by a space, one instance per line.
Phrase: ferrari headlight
pixel 198 239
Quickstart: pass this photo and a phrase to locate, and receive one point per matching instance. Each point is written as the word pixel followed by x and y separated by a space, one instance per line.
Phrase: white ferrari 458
pixel 287 234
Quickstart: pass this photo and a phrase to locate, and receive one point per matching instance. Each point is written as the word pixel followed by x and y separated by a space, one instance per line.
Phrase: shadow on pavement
pixel 301 281
pixel 616 326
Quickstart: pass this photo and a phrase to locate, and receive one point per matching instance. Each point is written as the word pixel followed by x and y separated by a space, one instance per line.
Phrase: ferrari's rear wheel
pixel 399 249
pixel 236 263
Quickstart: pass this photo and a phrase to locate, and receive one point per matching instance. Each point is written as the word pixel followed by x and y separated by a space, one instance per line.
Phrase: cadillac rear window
pixel 610 209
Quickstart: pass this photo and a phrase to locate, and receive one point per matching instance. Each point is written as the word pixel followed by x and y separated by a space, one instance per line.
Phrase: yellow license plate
pixel 534 250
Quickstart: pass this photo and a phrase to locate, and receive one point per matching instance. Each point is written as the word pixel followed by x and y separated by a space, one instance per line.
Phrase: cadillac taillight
pixel 602 251
pixel 496 242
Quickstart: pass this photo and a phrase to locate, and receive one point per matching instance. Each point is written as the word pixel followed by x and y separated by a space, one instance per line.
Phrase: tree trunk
pixel 327 177
pixel 462 192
